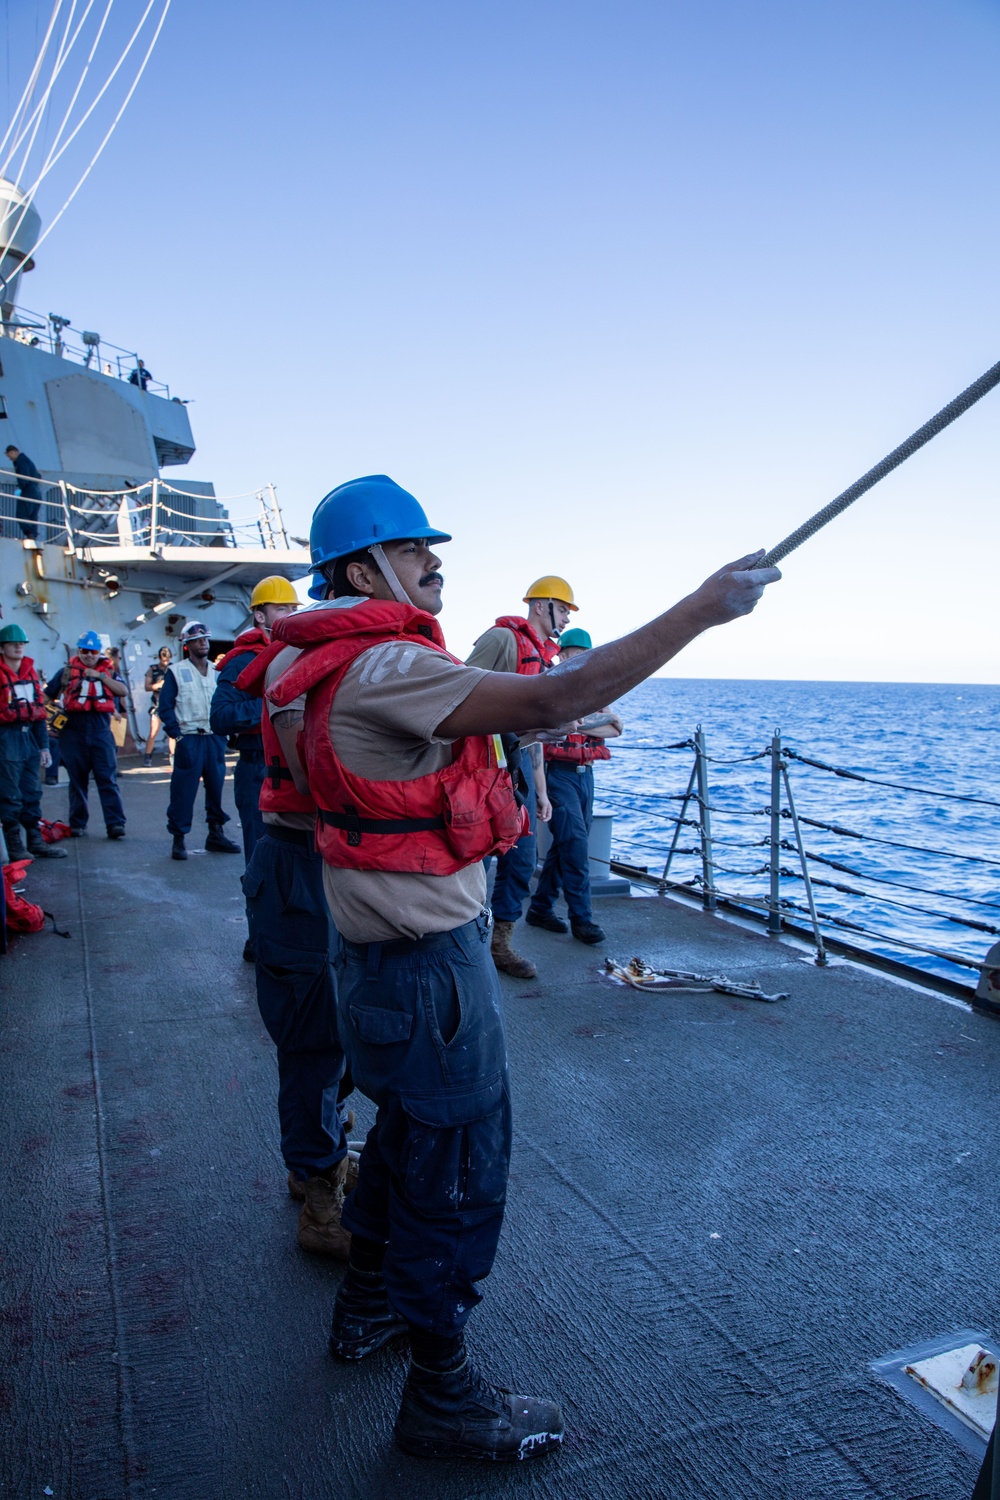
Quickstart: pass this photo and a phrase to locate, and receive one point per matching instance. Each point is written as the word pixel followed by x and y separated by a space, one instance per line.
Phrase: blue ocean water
pixel 943 738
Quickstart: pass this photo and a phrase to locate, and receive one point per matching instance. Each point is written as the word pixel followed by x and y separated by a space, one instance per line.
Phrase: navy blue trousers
pixel 20 776
pixel 87 749
pixel 293 942
pixel 516 868
pixel 248 778
pixel 567 863
pixel 424 1037
pixel 52 774
pixel 197 757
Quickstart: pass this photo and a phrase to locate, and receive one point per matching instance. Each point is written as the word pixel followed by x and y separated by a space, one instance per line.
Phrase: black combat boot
pixel 546 919
pixel 217 843
pixel 589 932
pixel 39 849
pixel 362 1319
pixel 458 1414
pixel 178 851
pixel 14 839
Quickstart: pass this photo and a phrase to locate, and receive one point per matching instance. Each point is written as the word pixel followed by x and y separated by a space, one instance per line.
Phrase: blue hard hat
pixel 577 637
pixel 317 589
pixel 89 641
pixel 365 511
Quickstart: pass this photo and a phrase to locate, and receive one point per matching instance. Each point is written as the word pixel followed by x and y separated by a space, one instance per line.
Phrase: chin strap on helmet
pixel 554 631
pixel 389 574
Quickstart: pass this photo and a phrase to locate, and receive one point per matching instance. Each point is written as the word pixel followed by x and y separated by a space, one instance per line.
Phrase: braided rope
pixel 899 455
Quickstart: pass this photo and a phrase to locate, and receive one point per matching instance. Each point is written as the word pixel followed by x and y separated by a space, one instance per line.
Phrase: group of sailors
pixel 378 775
pixel 86 691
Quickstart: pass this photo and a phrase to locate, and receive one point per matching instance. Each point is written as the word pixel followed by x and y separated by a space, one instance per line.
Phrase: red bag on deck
pixel 53 832
pixel 22 915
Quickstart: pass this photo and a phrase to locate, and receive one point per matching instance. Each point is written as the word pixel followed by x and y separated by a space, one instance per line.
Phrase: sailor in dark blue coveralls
pixel 88 687
pixel 199 755
pixel 570 779
pixel 294 946
pixel 236 714
pixel 29 495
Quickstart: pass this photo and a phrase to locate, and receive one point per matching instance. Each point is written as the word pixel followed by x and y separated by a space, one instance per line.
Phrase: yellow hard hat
pixel 551 587
pixel 273 590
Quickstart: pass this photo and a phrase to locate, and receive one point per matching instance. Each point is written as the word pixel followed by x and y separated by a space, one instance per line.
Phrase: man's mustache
pixel 431 578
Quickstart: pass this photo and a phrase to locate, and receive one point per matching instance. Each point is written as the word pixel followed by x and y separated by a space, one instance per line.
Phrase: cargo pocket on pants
pixel 458 1150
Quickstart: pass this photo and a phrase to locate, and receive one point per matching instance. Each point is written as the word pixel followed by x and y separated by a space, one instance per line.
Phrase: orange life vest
pixel 84 694
pixel 433 825
pixel 255 640
pixel 533 654
pixel 579 749
pixel 278 793
pixel 20 707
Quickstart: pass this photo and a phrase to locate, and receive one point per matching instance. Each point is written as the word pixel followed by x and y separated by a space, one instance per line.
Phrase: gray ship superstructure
pixel 120 549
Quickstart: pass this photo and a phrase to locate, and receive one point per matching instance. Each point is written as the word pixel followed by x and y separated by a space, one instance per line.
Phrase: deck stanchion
pixel 276 508
pixel 154 506
pixel 821 957
pixel 774 898
pixel 70 540
pixel 705 819
pixel 679 823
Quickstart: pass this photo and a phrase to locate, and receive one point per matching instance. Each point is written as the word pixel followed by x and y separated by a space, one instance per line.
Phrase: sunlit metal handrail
pixel 32 328
pixel 142 515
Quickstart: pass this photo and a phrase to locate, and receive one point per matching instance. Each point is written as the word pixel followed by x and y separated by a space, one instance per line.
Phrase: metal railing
pixel 152 515
pixel 82 346
pixel 733 809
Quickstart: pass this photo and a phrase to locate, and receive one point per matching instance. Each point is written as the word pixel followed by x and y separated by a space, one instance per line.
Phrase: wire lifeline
pixel 899 786
pixel 852 890
pixel 913 443
pixel 871 838
pixel 756 901
pixel 902 885
pixel 922 890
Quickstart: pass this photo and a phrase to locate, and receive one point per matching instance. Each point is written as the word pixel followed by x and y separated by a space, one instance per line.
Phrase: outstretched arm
pixel 504 702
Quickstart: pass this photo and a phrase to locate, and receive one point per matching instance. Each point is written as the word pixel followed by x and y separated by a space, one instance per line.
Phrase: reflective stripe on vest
pixel 85 694
pixel 436 824
pixel 194 697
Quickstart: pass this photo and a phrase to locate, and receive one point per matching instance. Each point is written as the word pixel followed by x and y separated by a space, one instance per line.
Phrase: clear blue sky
pixel 620 291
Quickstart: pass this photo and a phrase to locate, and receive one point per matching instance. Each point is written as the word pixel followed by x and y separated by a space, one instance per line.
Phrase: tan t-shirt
pixel 495 650
pixel 382 726
pixel 278 667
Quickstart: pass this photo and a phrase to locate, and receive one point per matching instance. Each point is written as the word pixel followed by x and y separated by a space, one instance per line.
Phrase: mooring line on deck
pixel 123 1381
pixel 692 1301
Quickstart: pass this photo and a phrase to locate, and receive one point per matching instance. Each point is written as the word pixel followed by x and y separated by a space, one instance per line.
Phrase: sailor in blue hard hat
pixel 90 690
pixel 403 757
pixel 353 523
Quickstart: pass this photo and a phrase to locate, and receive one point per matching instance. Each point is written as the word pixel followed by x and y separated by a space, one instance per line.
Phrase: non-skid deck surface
pixel 720 1213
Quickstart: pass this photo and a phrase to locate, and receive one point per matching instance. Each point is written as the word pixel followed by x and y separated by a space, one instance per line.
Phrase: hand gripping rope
pixel 886 465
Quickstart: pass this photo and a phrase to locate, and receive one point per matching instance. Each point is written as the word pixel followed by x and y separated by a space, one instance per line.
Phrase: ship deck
pixel 721 1212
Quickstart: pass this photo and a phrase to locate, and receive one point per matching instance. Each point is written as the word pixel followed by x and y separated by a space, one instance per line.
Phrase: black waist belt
pixel 301 836
pixel 277 773
pixel 356 826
